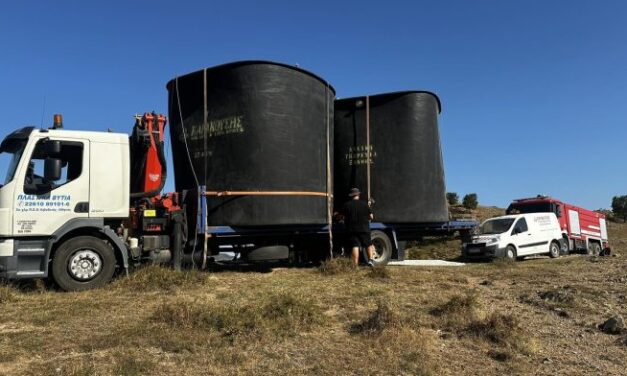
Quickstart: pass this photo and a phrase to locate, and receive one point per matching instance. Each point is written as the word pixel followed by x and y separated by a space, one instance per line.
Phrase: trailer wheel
pixel 554 249
pixel 594 249
pixel 382 247
pixel 510 253
pixel 83 263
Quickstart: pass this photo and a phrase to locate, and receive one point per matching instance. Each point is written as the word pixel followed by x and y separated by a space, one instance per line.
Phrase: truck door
pixel 603 226
pixel 573 220
pixel 42 206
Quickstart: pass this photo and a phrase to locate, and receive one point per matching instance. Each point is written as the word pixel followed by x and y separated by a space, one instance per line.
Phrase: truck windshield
pixel 10 155
pixel 536 207
pixel 496 226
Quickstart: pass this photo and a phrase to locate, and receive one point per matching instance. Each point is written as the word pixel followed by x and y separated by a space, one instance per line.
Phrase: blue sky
pixel 534 92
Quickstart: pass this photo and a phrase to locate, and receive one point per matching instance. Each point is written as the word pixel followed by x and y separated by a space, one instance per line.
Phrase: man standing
pixel 357 217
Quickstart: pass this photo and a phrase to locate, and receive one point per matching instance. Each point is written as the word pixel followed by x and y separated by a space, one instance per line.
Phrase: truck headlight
pixel 495 239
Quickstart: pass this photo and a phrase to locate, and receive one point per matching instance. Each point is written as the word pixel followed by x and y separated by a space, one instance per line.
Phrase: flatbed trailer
pixel 302 244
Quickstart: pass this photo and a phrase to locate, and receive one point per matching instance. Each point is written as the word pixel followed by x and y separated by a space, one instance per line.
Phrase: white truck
pixel 516 236
pixel 74 206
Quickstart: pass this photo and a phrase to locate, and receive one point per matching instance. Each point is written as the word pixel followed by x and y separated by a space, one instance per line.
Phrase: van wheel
pixel 594 249
pixel 554 249
pixel 510 253
pixel 83 263
pixel 382 247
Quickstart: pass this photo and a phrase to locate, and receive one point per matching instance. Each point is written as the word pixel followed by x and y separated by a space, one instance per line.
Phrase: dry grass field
pixel 537 316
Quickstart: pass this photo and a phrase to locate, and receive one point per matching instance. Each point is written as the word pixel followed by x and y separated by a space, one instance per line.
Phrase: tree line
pixel 619 207
pixel 470 201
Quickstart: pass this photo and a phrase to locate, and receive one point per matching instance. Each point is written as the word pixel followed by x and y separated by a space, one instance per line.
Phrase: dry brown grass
pixel 488 319
pixel 409 352
pixel 337 266
pixel 158 278
pixel 505 331
pixel 459 310
pixel 278 314
pixel 379 273
pixel 127 363
pixel 7 294
pixel 382 318
pixel 448 248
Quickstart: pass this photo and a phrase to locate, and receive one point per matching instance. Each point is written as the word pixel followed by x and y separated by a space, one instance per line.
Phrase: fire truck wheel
pixel 565 245
pixel 594 249
pixel 554 249
pixel 510 253
pixel 83 263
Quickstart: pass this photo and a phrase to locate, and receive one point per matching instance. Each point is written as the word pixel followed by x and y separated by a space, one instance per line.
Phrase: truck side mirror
pixel 52 169
pixel 53 148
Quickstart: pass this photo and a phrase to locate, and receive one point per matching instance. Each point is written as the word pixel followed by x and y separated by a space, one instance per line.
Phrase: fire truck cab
pixel 582 229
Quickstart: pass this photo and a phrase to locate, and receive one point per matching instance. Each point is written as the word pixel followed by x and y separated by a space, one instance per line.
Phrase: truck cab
pixel 514 236
pixel 59 185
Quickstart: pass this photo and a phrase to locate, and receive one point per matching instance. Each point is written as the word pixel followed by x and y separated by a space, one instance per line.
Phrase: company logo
pixel 219 127
pixel 45 203
pixel 359 155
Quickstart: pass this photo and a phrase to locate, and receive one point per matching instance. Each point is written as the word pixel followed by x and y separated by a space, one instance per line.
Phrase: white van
pixel 514 236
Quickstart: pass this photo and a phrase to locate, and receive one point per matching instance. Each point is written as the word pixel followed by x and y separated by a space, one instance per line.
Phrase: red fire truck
pixel 582 229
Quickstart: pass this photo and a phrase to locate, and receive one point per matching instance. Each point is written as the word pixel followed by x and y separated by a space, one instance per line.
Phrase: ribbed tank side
pixel 256 127
pixel 406 168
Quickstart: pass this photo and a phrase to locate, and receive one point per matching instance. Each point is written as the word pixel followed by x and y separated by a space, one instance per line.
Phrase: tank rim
pixel 253 62
pixel 394 93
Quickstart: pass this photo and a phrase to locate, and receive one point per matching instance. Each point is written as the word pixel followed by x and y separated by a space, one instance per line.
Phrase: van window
pixel 520 226
pixel 496 226
pixel 72 167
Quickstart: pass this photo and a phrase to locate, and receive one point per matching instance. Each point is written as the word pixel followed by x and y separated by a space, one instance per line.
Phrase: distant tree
pixel 619 206
pixel 470 201
pixel 452 198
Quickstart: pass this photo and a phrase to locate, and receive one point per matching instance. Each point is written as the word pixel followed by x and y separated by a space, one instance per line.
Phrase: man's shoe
pixel 371 263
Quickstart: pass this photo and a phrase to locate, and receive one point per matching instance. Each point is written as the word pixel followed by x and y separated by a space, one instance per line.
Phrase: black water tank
pixel 406 169
pixel 266 130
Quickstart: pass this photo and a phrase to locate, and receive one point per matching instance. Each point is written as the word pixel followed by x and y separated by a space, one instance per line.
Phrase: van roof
pixel 514 216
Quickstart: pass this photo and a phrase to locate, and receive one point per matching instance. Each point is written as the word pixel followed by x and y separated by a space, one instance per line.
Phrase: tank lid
pixel 255 62
pixel 395 94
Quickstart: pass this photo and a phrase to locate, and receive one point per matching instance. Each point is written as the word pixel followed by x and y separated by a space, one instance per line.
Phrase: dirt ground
pixel 536 316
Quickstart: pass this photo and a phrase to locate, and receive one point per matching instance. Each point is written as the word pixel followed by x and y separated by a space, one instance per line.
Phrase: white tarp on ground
pixel 425 263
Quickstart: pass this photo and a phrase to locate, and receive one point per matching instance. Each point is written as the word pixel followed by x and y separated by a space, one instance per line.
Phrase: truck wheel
pixel 594 249
pixel 554 249
pixel 510 253
pixel 565 245
pixel 382 247
pixel 83 263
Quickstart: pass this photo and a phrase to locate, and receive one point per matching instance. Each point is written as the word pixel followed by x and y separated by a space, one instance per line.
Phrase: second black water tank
pixel 254 126
pixel 406 168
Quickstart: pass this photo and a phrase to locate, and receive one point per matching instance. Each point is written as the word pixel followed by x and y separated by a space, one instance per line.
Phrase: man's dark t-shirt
pixel 356 216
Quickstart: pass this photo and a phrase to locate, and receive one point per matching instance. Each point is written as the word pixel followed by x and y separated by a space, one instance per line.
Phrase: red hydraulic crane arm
pixel 148 164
